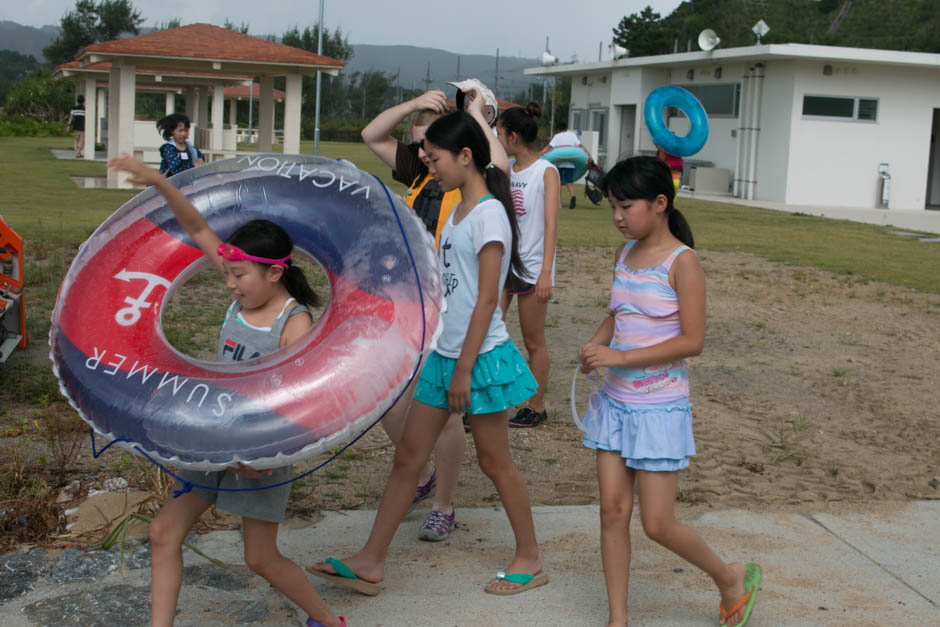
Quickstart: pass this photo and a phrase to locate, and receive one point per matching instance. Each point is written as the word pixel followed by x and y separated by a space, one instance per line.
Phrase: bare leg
pixel 448 456
pixel 491 436
pixel 167 532
pixel 532 322
pixel 262 557
pixel 657 510
pixel 616 496
pixel 423 426
pixel 394 425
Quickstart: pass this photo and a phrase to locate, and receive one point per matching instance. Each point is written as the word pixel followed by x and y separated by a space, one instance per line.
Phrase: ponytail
pixel 295 281
pixel 645 178
pixel 263 238
pixel 458 130
pixel 498 184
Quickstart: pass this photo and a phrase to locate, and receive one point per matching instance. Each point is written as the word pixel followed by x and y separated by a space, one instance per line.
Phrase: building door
pixel 933 165
pixel 627 129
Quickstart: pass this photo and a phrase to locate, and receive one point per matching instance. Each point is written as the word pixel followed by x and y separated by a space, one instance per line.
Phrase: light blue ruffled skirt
pixel 655 437
pixel 500 379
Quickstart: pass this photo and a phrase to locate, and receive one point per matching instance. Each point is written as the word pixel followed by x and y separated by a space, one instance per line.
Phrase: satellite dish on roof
pixel 618 52
pixel 708 40
pixel 548 59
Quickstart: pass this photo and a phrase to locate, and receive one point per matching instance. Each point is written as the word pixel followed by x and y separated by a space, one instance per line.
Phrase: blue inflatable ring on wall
pixel 671 96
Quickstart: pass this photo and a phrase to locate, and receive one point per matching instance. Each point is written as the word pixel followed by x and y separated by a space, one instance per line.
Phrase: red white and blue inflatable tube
pixel 122 376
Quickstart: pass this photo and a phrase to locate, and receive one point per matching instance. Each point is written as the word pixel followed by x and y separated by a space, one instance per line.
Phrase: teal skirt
pixel 500 379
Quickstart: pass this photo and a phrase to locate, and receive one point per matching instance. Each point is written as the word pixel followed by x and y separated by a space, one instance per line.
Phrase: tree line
pixel 912 25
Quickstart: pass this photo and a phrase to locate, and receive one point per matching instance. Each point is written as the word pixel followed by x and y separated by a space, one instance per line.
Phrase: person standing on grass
pixel 564 139
pixel 640 423
pixel 475 367
pixel 269 311
pixel 536 197
pixel 77 124
pixel 409 163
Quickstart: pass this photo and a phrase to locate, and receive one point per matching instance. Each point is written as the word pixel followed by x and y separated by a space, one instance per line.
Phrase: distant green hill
pixel 26 39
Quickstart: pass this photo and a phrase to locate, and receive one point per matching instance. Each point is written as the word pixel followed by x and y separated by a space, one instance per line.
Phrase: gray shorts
pixel 269 505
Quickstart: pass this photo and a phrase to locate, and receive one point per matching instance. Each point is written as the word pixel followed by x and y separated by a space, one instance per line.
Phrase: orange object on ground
pixel 12 309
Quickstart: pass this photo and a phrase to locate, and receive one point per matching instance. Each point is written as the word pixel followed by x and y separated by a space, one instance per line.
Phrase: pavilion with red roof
pixel 197 57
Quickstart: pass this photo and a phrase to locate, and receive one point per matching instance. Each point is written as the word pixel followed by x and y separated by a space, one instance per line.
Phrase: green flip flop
pixel 524 580
pixel 345 577
pixel 752 580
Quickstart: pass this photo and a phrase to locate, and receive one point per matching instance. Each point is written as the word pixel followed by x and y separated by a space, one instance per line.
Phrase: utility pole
pixel 427 78
pixel 496 78
pixel 316 117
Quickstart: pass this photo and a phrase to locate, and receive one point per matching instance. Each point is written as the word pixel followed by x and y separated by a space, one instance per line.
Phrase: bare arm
pixel 184 211
pixel 543 283
pixel 498 155
pixel 378 133
pixel 604 333
pixel 490 256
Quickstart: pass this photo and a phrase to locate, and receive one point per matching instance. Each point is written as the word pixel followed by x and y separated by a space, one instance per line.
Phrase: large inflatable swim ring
pixel 571 157
pixel 117 369
pixel 671 96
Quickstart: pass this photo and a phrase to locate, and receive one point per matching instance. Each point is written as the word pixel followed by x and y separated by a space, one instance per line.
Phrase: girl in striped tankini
pixel 640 422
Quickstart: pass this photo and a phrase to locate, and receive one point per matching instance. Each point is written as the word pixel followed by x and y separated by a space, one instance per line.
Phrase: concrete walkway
pixel 927 220
pixel 856 566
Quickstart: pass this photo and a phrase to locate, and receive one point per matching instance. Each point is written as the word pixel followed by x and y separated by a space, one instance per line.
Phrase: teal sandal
pixel 345 577
pixel 524 580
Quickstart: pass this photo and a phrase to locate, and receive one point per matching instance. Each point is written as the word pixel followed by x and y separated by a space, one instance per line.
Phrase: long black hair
pixel 458 130
pixel 522 121
pixel 167 124
pixel 645 178
pixel 263 238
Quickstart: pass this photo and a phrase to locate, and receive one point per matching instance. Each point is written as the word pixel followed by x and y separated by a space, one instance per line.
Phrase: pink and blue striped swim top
pixel 646 313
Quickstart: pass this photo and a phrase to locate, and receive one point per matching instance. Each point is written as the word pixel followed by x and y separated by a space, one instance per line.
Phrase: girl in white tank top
pixel 536 195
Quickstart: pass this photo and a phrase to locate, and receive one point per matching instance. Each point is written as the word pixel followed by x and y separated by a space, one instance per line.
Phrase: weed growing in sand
pixel 834 471
pixel 602 301
pixel 848 340
pixel 788 449
pixel 840 371
pixel 28 512
pixel 759 325
pixel 694 496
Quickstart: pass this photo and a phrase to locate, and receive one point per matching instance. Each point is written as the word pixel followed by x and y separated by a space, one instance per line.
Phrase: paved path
pixel 846 566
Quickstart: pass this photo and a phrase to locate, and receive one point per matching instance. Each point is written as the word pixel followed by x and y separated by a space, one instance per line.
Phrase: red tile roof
pixel 205 41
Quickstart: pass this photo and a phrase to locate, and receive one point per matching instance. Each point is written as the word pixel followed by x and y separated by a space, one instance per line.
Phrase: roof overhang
pixel 193 65
pixel 755 54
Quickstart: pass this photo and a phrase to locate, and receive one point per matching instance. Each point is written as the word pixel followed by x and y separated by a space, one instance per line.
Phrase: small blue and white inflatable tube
pixel 662 136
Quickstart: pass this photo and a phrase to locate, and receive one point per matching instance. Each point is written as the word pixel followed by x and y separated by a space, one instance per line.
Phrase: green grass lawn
pixel 39 200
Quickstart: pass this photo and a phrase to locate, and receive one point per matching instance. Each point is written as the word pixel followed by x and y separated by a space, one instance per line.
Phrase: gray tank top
pixel 240 340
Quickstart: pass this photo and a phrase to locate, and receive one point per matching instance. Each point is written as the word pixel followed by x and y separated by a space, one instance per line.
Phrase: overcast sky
pixel 573 27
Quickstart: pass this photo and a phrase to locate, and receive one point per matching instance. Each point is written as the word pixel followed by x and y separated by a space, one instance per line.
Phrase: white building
pixel 791 123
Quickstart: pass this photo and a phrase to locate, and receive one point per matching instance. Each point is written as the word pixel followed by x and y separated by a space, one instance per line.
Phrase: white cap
pixel 489 100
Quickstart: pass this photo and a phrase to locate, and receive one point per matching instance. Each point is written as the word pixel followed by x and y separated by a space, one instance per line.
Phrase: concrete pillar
pixel 203 115
pixel 102 111
pixel 233 112
pixel 121 89
pixel 171 102
pixel 292 115
pixel 266 115
pixel 191 97
pixel 218 111
pixel 91 118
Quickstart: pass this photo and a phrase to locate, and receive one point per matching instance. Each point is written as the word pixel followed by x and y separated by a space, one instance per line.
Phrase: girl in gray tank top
pixel 270 310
